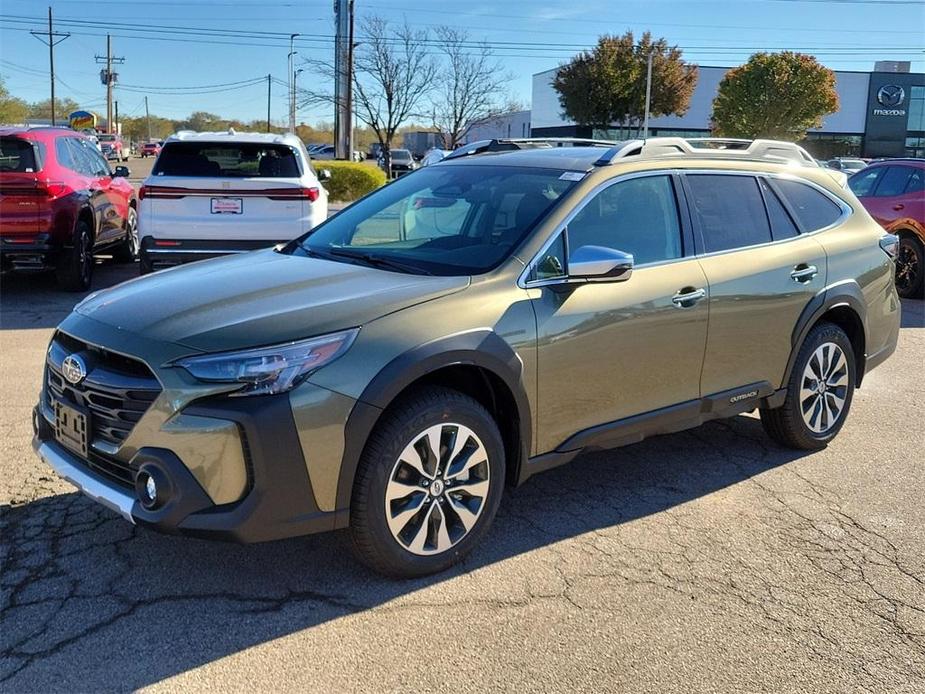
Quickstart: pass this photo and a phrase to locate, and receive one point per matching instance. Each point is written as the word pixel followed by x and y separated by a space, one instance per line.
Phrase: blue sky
pixel 844 34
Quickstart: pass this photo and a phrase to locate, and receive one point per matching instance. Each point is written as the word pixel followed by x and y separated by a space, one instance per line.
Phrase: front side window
pixel 81 157
pixel 227 160
pixel 551 263
pixel 443 220
pixel 730 211
pixel 894 181
pixel 916 182
pixel 813 209
pixel 864 182
pixel 638 216
pixel 64 155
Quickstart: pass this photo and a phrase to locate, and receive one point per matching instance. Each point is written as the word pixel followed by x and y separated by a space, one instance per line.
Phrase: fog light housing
pixel 152 487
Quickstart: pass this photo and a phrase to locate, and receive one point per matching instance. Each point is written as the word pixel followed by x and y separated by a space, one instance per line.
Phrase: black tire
pixel 786 424
pixel 910 268
pixel 75 268
pixel 145 264
pixel 373 541
pixel 127 250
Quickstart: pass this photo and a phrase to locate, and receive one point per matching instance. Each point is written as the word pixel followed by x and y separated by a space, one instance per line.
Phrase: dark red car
pixel 60 204
pixel 893 191
pixel 150 149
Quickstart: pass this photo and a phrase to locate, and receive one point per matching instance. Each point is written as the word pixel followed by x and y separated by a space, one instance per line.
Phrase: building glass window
pixel 915 147
pixel 916 109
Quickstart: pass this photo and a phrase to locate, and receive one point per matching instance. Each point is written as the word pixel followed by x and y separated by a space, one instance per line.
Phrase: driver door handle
pixel 803 273
pixel 687 297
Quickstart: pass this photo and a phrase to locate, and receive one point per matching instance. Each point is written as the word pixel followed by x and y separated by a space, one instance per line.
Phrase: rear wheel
pixel 75 269
pixel 128 249
pixel 910 268
pixel 819 392
pixel 428 485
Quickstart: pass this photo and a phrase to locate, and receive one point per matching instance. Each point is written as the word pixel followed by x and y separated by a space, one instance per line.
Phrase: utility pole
pixel 343 69
pixel 148 118
pixel 51 39
pixel 269 88
pixel 108 77
pixel 645 122
pixel 292 52
pixel 117 117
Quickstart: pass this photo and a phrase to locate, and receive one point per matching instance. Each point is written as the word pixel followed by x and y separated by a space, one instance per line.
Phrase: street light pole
pixel 292 52
pixel 295 76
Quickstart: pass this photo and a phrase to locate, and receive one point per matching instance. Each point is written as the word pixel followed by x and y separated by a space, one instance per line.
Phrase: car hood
pixel 258 298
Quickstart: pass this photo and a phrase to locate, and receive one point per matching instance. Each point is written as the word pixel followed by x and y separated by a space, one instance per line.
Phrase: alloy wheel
pixel 132 232
pixel 824 388
pixel 907 267
pixel 437 489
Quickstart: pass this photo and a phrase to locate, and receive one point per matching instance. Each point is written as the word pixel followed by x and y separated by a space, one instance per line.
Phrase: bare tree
pixel 393 73
pixel 470 86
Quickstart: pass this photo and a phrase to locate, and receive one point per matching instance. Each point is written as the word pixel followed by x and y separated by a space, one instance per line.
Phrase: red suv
pixel 60 204
pixel 893 191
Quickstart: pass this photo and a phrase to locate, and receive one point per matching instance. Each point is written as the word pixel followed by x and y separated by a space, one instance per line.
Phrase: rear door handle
pixel 687 297
pixel 804 273
pixel 899 206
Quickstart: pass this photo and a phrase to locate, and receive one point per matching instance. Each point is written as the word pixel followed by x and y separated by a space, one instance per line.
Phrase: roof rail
pixel 710 148
pixel 506 144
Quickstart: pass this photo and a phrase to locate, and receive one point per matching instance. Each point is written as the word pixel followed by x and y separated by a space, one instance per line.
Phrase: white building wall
pixel 514 124
pixel 850 118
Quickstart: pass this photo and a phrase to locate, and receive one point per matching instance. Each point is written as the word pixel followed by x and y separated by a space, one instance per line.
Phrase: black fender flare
pixel 847 293
pixel 482 348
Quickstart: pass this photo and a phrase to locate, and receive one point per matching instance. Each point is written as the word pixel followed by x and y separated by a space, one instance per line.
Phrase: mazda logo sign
pixel 73 369
pixel 891 95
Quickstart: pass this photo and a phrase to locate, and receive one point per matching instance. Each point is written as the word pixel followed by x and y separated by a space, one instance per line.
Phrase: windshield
pixel 442 220
pixel 401 154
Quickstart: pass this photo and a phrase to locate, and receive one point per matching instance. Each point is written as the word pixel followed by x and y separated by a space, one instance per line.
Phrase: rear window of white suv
pixel 227 160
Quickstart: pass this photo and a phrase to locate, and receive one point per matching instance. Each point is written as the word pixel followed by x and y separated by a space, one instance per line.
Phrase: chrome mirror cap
pixel 600 264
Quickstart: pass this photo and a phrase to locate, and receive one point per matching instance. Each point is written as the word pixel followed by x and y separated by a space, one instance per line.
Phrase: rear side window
pixel 894 181
pixel 17 155
pixel 64 155
pixel 730 211
pixel 782 226
pixel 227 160
pixel 812 209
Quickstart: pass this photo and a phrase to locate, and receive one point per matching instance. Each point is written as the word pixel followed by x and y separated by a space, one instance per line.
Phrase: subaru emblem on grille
pixel 74 369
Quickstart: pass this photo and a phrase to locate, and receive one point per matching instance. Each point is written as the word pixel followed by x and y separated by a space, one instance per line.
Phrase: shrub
pixel 350 180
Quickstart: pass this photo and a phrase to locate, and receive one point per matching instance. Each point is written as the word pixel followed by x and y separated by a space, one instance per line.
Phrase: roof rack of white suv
pixel 710 148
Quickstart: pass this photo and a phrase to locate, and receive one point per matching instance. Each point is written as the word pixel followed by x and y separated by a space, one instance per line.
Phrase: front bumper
pixel 279 500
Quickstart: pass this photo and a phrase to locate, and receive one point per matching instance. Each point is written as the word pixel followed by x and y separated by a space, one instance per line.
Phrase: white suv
pixel 214 193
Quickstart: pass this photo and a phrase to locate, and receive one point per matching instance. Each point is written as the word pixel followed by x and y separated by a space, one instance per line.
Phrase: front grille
pixel 117 390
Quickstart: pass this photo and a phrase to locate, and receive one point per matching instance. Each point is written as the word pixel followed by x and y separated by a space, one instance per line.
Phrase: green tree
pixel 775 95
pixel 12 109
pixel 608 84
pixel 63 107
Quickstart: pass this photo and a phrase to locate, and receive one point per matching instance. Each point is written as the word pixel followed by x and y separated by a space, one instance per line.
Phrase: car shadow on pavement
pixel 93 603
pixel 913 313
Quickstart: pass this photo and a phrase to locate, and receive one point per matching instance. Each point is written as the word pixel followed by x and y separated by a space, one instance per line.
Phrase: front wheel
pixel 819 392
pixel 910 268
pixel 145 264
pixel 428 484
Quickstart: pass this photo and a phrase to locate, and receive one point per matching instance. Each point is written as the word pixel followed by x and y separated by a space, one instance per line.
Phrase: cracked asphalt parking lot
pixel 710 560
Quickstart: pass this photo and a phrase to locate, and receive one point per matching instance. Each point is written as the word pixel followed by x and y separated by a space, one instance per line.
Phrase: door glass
pixel 551 263
pixel 864 182
pixel 100 165
pixel 730 210
pixel 813 209
pixel 916 182
pixel 65 155
pixel 782 226
pixel 638 216
pixel 894 181
pixel 83 162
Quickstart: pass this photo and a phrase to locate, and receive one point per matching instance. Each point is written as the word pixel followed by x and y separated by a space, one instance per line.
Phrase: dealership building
pixel 881 114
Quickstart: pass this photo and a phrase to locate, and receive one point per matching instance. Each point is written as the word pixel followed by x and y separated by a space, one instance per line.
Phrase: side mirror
pixel 121 172
pixel 324 175
pixel 600 264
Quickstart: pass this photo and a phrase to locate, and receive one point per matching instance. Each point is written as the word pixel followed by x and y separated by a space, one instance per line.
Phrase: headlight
pixel 269 370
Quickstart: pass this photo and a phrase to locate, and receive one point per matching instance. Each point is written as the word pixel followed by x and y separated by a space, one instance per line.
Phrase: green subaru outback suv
pixel 465 327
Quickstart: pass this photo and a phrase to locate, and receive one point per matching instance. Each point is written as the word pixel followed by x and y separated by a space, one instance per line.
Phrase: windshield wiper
pixel 373 260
